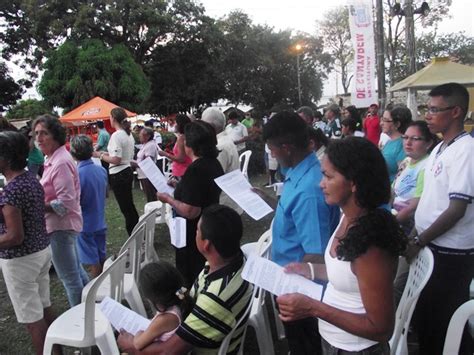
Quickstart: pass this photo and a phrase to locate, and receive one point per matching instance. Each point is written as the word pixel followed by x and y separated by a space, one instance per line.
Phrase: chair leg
pixel 135 301
pixel 280 330
pixel 48 347
pixel 107 344
pixel 264 338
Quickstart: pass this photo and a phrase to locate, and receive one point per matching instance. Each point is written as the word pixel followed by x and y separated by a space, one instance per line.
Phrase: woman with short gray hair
pixel 93 179
pixel 148 149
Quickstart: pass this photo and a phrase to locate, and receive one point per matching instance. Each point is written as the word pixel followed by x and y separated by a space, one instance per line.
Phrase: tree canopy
pixel 76 72
pixel 337 40
pixel 29 108
pixel 10 91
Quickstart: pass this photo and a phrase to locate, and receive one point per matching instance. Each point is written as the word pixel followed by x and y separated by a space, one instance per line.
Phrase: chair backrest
pixel 456 327
pixel 245 156
pixel 264 243
pixel 115 272
pixel 149 252
pixel 133 249
pixel 226 342
pixel 418 275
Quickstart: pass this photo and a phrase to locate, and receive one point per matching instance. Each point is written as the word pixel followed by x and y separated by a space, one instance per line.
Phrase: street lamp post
pixel 298 48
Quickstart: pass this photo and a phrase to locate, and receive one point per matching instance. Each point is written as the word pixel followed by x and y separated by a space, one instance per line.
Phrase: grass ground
pixel 14 338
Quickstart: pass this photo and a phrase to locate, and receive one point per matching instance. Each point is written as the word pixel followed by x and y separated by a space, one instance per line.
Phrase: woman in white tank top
pixel 357 313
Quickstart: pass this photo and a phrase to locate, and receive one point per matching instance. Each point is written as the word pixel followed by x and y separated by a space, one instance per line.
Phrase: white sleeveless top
pixel 172 310
pixel 342 292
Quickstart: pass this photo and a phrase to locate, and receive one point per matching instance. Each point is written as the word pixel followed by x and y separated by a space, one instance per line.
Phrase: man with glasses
pixel 444 219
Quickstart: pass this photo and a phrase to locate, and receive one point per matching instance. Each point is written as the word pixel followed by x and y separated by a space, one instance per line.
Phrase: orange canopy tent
pixel 92 110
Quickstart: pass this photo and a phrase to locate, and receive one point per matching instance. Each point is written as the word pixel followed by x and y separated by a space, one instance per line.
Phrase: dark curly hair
pixel 54 126
pixel 377 228
pixel 14 148
pixel 201 138
pixel 359 161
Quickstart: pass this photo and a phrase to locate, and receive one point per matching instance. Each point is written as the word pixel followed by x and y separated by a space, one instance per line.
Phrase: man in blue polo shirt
pixel 93 179
pixel 303 221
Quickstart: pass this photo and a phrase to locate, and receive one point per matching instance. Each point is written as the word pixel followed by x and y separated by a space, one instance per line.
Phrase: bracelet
pixel 418 241
pixel 101 155
pixel 311 269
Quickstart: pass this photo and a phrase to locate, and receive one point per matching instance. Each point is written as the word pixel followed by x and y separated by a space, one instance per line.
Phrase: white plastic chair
pixel 161 210
pixel 84 325
pixel 245 157
pixel 148 251
pixel 258 318
pixel 132 248
pixel 456 327
pixel 244 319
pixel 418 275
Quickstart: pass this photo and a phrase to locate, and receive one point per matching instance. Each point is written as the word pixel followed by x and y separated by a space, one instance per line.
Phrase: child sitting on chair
pixel 162 285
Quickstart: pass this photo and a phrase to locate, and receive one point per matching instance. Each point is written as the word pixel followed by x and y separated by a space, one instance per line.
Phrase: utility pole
pixel 379 45
pixel 410 36
pixel 410 43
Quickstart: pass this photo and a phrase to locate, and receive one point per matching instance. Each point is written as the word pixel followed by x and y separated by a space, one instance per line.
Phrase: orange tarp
pixel 93 110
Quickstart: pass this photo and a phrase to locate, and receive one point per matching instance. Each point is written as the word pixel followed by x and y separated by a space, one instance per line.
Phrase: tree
pixel 31 28
pixel 457 46
pixel 76 72
pixel 259 64
pixel 337 40
pixel 395 53
pixel 185 72
pixel 29 108
pixel 10 91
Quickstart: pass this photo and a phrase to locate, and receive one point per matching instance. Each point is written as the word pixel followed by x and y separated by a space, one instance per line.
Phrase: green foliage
pixel 32 28
pixel 260 67
pixel 29 109
pixel 76 73
pixel 337 41
pixel 10 91
pixel 185 72
pixel 394 41
pixel 458 46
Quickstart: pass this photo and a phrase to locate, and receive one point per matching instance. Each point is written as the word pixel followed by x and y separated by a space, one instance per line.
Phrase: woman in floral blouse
pixel 25 256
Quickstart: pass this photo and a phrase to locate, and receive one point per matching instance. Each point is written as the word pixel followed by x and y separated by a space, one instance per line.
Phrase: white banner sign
pixel 362 34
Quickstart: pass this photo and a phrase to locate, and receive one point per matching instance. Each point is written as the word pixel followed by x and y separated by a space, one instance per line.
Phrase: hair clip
pixel 181 292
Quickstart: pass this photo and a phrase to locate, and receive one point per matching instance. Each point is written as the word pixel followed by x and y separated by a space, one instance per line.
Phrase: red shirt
pixel 372 129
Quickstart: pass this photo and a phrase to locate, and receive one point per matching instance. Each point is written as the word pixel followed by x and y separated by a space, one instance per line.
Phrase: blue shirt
pixel 93 179
pixel 303 221
pixel 103 140
pixel 393 153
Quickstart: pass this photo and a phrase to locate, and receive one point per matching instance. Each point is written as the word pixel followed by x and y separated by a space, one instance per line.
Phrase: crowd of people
pixel 355 209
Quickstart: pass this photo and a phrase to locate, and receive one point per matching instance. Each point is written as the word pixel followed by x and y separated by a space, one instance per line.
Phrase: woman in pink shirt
pixel 63 216
pixel 180 161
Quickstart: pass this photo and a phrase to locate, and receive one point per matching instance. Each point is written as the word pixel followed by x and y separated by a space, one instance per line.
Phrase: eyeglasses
pixel 412 138
pixel 434 110
pixel 386 120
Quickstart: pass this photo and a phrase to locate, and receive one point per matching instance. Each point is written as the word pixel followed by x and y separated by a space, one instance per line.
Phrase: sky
pixel 303 14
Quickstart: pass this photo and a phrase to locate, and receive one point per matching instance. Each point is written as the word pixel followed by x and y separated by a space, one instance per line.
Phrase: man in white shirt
pixel 228 155
pixel 444 219
pixel 237 131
